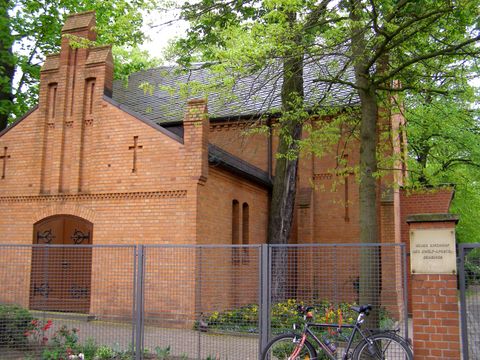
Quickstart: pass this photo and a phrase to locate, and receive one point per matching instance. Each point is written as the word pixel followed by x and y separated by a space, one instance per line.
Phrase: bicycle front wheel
pixel 282 347
pixel 383 346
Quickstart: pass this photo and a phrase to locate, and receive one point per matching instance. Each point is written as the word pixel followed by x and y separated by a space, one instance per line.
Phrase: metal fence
pixel 185 302
pixel 469 273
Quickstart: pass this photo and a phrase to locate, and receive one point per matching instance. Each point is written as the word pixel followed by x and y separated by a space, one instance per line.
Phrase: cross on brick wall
pixel 4 157
pixel 134 148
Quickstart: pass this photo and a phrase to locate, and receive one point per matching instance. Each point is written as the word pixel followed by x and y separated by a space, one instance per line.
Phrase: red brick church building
pixel 98 162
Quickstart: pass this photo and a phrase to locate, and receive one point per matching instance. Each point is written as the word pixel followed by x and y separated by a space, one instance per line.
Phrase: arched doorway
pixel 61 276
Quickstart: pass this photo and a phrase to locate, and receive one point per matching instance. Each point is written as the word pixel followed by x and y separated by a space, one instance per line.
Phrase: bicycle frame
pixel 355 329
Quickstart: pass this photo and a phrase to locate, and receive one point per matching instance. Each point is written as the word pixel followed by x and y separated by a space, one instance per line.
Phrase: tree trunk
pixel 7 68
pixel 369 225
pixel 284 185
pixel 369 286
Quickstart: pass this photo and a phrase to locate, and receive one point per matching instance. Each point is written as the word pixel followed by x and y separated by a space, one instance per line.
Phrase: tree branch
pixel 451 50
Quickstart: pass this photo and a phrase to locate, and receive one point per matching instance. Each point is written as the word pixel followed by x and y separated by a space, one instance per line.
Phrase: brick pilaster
pixel 436 324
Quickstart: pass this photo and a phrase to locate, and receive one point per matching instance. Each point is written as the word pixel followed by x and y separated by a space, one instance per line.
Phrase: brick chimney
pixel 196 127
pixel 72 85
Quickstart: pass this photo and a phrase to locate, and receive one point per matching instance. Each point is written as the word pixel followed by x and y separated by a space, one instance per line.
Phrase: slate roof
pixel 253 95
pixel 221 158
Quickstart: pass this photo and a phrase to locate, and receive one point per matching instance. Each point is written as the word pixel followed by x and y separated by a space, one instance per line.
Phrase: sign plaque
pixel 433 251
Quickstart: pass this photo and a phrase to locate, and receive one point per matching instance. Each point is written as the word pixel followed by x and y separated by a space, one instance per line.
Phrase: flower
pixel 47 326
pixel 37 331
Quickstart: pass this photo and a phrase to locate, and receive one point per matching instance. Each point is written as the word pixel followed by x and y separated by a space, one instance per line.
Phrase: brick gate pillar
pixel 436 324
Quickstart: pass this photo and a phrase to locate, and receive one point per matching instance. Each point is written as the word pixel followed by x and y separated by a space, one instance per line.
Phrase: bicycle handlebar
pixel 365 309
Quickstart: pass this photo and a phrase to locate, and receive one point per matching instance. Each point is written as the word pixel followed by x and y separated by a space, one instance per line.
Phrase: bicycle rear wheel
pixel 383 346
pixel 283 346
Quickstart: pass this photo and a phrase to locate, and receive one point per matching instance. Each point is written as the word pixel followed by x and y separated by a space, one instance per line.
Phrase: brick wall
pixel 436 325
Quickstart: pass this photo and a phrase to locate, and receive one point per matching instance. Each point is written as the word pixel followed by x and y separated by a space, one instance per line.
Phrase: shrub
pixel 64 343
pixel 104 353
pixel 472 273
pixel 14 322
pixel 89 348
pixel 283 315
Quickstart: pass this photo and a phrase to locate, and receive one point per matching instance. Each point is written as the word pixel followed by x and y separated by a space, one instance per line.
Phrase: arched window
pixel 235 231
pixel 245 231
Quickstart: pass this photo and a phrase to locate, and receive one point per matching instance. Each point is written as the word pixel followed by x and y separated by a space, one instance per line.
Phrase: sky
pixel 161 27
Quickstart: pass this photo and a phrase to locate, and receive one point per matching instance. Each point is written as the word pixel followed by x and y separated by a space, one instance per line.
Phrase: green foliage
pixel 444 144
pixel 472 273
pixel 104 353
pixel 63 343
pixel 466 204
pixel 283 315
pixel 162 353
pixel 131 59
pixel 88 349
pixel 14 322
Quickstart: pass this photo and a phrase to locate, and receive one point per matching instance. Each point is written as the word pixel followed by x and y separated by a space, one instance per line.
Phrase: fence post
pixel 463 301
pixel 139 297
pixel 264 311
pixel 404 266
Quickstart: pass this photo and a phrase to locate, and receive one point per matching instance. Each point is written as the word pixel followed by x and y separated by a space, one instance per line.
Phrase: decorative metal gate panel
pixel 469 271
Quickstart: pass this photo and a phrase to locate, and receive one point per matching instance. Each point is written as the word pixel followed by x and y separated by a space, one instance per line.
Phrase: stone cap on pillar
pixel 429 218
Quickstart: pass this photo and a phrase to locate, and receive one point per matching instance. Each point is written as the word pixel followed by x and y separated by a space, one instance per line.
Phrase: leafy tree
pixel 242 38
pixel 29 29
pixel 375 47
pixel 444 142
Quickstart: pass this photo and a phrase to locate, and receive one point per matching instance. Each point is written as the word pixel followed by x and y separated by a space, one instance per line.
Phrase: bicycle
pixel 377 344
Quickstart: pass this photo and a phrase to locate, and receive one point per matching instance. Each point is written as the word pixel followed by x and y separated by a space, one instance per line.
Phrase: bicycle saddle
pixel 362 308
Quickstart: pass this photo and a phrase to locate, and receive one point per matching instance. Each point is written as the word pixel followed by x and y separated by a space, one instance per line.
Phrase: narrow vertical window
pixel 89 97
pixel 52 100
pixel 235 230
pixel 245 232
pixel 92 89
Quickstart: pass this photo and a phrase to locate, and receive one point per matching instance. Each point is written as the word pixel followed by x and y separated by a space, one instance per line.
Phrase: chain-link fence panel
pixel 60 301
pixel 332 278
pixel 201 302
pixel 469 271
pixel 184 302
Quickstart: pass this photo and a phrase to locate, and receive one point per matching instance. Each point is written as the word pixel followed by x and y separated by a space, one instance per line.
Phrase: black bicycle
pixel 370 344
